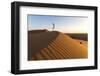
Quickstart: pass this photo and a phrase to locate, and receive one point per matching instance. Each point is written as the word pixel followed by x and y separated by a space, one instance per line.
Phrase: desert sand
pixel 51 45
pixel 83 42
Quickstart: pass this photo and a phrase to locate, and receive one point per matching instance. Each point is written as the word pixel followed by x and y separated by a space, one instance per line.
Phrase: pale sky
pixel 65 24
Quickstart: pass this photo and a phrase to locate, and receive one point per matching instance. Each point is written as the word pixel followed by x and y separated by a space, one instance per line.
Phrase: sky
pixel 65 24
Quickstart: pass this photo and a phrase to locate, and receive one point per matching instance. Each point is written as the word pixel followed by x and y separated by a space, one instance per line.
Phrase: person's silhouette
pixel 53 27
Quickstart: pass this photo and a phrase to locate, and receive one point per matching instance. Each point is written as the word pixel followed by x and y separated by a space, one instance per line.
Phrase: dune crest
pixel 54 45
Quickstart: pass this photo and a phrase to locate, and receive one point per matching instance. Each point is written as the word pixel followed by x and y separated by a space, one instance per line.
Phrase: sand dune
pixel 85 43
pixel 52 45
pixel 80 36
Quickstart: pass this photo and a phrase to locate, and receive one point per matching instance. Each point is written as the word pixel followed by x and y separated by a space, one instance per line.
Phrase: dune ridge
pixel 54 45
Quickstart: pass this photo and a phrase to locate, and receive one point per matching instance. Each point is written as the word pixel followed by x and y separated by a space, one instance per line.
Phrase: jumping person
pixel 53 27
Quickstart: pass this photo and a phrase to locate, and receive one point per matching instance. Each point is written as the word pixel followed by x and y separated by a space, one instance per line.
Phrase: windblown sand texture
pixel 51 45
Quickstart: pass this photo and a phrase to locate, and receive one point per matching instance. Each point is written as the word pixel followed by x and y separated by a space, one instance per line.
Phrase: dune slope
pixel 54 45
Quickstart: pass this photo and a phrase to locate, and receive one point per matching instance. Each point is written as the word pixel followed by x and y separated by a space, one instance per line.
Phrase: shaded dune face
pixel 81 36
pixel 38 41
pixel 54 45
